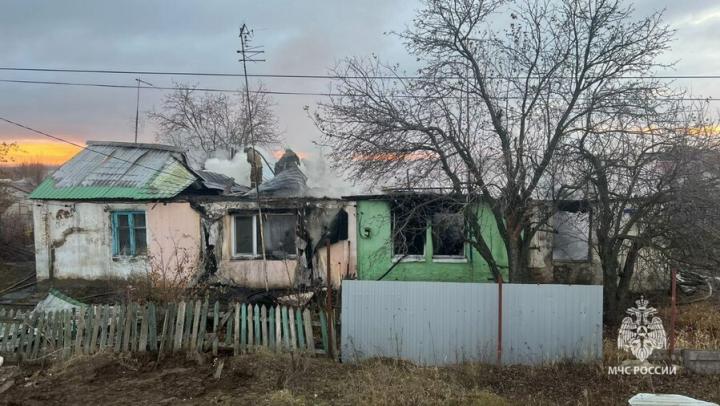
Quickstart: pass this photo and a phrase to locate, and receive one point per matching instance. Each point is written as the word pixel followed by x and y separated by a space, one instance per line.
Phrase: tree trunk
pixel 611 309
pixel 517 260
pixel 623 289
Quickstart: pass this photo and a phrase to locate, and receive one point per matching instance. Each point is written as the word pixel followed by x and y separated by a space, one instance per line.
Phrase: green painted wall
pixel 375 257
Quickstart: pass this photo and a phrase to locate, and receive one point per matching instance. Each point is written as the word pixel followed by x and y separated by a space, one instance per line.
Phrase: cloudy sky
pixel 300 37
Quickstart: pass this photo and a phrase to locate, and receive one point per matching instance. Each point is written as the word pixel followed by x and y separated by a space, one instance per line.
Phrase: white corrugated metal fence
pixel 436 323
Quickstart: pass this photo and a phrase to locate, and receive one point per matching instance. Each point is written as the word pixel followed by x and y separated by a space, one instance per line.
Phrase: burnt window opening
pixel 408 233
pixel 338 229
pixel 448 235
pixel 571 242
pixel 444 222
pixel 278 233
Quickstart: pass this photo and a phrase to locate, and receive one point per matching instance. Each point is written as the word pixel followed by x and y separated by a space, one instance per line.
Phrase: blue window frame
pixel 129 233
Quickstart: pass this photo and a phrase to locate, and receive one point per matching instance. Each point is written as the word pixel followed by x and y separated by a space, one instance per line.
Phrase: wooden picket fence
pixel 175 327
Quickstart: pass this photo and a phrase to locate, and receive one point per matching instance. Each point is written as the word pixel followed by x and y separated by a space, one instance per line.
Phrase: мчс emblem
pixel 641 331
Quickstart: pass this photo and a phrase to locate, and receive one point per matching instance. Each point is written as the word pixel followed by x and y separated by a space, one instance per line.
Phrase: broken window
pixel 448 235
pixel 409 230
pixel 129 233
pixel 278 234
pixel 572 236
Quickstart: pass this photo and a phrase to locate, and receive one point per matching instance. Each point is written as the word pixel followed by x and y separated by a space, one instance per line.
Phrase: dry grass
pixel 265 378
pixel 697 325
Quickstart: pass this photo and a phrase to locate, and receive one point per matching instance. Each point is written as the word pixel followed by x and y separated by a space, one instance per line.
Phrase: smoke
pixel 322 180
pixel 237 168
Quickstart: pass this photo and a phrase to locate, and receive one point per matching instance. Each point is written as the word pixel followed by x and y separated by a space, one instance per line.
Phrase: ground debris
pixel 268 378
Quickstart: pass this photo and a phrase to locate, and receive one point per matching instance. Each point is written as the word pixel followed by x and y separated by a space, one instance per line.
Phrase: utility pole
pixel 248 54
pixel 137 105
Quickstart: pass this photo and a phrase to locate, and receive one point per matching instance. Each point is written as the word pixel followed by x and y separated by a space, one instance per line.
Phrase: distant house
pixel 15 207
pixel 119 208
pixel 399 241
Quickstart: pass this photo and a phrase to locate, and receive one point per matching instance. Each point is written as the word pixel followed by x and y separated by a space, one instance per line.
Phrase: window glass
pixel 139 220
pixel 129 233
pixel 448 234
pixel 123 220
pixel 140 241
pixel 123 245
pixel 572 235
pixel 244 235
pixel 279 234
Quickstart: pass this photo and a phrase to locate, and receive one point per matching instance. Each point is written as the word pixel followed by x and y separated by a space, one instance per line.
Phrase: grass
pixel 698 326
pixel 266 378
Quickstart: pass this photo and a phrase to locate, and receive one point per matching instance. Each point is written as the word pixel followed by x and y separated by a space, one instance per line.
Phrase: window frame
pixel 406 257
pixel 255 235
pixel 588 255
pixel 428 240
pixel 244 255
pixel 115 230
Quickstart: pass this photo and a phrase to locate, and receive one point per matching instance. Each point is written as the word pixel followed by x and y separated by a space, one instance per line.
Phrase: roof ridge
pixel 160 147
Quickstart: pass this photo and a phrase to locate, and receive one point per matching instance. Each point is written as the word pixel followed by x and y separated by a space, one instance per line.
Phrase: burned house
pixel 116 209
pixel 279 234
pixel 422 237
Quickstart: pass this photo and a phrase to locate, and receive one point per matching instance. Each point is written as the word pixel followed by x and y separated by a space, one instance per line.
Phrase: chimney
pixel 255 160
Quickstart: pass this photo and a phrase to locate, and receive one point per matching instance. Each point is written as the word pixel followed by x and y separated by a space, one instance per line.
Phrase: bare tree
pixel 5 196
pixel 493 107
pixel 5 149
pixel 32 172
pixel 636 168
pixel 208 123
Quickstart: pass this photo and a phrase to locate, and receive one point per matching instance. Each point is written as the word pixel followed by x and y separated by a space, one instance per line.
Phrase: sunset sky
pixel 300 37
pixel 46 152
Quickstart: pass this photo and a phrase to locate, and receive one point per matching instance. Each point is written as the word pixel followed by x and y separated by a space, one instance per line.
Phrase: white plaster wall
pixel 256 275
pixel 40 235
pixel 173 227
pixel 280 274
pixel 87 250
pixel 546 270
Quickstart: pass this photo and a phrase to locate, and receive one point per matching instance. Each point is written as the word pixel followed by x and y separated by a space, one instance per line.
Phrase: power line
pixel 273 92
pixel 202 89
pixel 307 76
pixel 90 149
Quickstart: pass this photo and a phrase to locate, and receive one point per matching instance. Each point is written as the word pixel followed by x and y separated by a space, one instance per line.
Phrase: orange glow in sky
pixel 278 153
pixel 45 152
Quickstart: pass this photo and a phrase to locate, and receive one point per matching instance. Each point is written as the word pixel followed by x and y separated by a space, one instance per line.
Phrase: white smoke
pixel 322 180
pixel 238 167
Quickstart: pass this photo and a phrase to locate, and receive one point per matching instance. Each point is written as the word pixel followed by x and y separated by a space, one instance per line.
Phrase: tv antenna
pixel 250 53
pixel 137 104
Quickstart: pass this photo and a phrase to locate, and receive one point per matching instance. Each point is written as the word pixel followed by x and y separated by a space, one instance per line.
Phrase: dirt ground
pixel 271 379
pixel 14 273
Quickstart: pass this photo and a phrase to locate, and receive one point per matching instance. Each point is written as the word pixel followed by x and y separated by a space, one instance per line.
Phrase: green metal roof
pixel 118 171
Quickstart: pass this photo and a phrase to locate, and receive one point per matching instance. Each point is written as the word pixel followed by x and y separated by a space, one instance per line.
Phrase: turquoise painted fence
pixel 175 327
